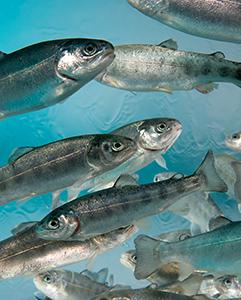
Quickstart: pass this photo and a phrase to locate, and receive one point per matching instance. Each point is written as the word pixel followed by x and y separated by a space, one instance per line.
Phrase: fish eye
pixel 160 128
pixel 117 146
pixel 134 257
pixel 184 236
pixel 53 224
pixel 235 136
pixel 90 49
pixel 47 279
pixel 227 282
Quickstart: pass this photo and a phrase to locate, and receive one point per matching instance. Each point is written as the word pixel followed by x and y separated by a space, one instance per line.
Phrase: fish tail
pixel 236 165
pixel 147 253
pixel 212 182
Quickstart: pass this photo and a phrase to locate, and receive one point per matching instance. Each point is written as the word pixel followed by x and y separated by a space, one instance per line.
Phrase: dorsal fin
pixel 17 153
pixel 125 180
pixel 100 276
pixel 22 227
pixel 171 44
pixel 218 54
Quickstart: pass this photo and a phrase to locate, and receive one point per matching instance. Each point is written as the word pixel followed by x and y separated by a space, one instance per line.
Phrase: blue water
pixel 206 119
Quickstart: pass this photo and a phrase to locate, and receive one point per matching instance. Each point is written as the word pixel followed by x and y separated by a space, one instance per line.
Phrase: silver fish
pixel 153 138
pixel 46 73
pixel 26 254
pixel 124 204
pixel 198 253
pixel 68 285
pixel 198 208
pixel 234 142
pixel 216 20
pixel 167 69
pixel 224 287
pixel 52 167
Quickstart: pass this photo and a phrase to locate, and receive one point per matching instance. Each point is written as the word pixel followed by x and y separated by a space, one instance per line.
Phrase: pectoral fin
pixel 161 162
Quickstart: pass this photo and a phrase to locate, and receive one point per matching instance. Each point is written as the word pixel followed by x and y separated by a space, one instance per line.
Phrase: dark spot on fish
pixel 224 71
pixel 206 69
pixel 238 74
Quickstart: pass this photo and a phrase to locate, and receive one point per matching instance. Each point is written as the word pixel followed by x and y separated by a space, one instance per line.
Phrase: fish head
pixel 51 283
pixel 234 141
pixel 108 151
pixel 158 134
pixel 150 7
pixel 60 224
pixel 228 285
pixel 128 259
pixel 83 59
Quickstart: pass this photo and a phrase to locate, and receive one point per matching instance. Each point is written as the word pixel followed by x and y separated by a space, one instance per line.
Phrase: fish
pixel 198 208
pixel 24 254
pixel 234 142
pixel 167 69
pixel 124 204
pixel 161 277
pixel 216 20
pixel 224 287
pixel 38 170
pixel 46 73
pixel 140 294
pixel 154 137
pixel 215 252
pixel 67 285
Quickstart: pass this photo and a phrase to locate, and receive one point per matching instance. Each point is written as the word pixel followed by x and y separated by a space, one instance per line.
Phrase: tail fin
pixel 212 182
pixel 236 165
pixel 147 254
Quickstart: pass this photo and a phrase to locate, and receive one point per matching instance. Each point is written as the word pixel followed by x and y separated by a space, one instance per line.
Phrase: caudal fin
pixel 147 254
pixel 212 181
pixel 236 165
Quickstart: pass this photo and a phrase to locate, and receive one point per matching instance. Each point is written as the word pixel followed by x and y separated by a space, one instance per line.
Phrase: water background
pixel 206 119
